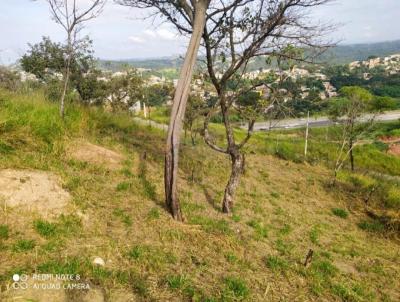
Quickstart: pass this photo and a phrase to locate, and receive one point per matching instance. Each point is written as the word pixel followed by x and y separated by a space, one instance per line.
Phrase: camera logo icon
pixel 20 281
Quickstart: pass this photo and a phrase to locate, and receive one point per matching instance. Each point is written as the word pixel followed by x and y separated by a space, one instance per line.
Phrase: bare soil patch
pixel 33 191
pixel 88 152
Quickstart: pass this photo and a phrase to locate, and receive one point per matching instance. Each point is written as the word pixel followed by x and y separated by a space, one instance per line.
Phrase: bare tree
pixel 189 17
pixel 347 112
pixel 72 18
pixel 238 31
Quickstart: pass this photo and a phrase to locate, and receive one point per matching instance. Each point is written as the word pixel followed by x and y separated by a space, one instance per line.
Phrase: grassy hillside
pixel 284 208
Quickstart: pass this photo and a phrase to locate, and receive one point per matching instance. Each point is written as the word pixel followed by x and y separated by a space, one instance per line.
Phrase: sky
pixel 123 33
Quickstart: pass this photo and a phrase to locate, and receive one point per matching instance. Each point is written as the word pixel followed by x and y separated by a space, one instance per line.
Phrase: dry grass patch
pixel 87 152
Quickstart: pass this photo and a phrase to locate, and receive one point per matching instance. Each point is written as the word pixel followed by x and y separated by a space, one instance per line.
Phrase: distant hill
pixel 152 63
pixel 341 54
pixel 344 54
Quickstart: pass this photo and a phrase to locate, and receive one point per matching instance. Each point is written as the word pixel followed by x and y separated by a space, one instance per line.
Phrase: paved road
pixel 288 123
pixel 317 122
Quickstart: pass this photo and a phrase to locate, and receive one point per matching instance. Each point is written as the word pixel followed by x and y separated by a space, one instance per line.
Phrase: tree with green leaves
pixel 237 33
pixel 46 60
pixel 125 90
pixel 72 18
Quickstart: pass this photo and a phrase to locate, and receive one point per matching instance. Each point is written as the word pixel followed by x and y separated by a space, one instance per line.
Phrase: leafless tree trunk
pixel 178 113
pixel 306 141
pixel 67 73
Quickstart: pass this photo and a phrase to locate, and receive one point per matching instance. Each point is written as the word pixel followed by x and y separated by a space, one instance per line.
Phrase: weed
pixel 139 285
pixel 275 195
pixel 314 234
pixel 372 226
pixel 154 213
pixel 24 245
pixel 235 288
pixel 44 228
pixel 212 226
pixel 176 281
pixel 340 213
pixel 324 267
pixel 283 247
pixel 123 186
pixel 4 231
pixel 236 218
pixel 231 258
pixel 285 230
pixel 276 263
pixel 260 230
pixel 127 172
pixel 67 266
pixel 136 252
pixel 125 218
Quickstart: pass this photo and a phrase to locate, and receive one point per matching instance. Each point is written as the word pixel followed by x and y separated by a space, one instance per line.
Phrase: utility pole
pixel 306 142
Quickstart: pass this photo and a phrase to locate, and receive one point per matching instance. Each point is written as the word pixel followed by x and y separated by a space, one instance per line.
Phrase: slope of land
pixel 116 213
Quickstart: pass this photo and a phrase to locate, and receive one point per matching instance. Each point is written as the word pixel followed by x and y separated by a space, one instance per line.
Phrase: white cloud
pixel 150 33
pixel 166 34
pixel 136 39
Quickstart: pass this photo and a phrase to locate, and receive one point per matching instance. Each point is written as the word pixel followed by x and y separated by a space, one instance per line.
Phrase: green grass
pixel 220 226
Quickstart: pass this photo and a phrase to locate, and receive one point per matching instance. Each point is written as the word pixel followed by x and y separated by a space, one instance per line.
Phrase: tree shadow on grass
pixel 210 196
pixel 149 189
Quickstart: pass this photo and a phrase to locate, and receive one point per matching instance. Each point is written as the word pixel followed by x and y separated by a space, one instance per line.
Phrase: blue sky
pixel 121 33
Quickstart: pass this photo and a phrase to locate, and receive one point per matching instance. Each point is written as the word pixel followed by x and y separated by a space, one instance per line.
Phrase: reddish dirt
pixel 393 142
pixel 389 139
pixel 394 149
